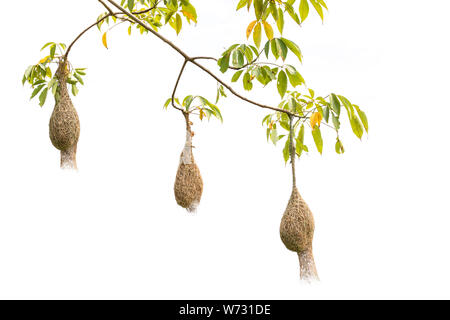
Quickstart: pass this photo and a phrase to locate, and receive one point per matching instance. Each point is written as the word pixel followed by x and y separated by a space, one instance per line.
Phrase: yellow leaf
pixel 43 60
pixel 250 28
pixel 104 40
pixel 189 16
pixel 316 119
pixel 268 29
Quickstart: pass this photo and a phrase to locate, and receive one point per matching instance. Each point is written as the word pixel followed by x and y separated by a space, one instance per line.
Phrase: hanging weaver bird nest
pixel 64 122
pixel 188 183
pixel 297 231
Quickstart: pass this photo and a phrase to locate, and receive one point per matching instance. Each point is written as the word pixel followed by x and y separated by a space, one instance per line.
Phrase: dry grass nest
pixel 188 186
pixel 297 224
pixel 64 122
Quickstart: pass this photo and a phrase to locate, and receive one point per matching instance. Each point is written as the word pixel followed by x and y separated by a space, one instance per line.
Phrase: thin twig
pixel 84 31
pixel 176 86
pixel 292 150
pixel 147 10
pixel 106 6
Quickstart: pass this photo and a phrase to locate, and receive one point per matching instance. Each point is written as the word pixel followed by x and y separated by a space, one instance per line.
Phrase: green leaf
pixel 78 78
pixel 282 83
pixel 258 4
pixel 335 104
pixel 274 136
pixel 304 9
pixel 292 13
pixel 71 81
pixel 189 11
pixel 292 104
pixel 80 71
pixel 339 147
pixel 236 76
pixel 36 91
pixel 46 45
pixel 178 23
pixel 28 71
pixel 55 88
pixel 318 8
pixel 322 2
pixel 52 51
pixel 248 53
pixel 43 96
pixel 281 48
pixel 241 4
pixel 363 118
pixel 286 152
pixel 280 20
pixel 187 101
pixel 300 140
pixel 237 58
pixel 130 5
pixel 248 85
pixel 166 104
pixel 266 119
pixel 326 114
pixel 74 90
pixel 356 126
pixel 257 35
pixel 347 104
pixel 216 111
pixel 295 78
pixel 295 49
pixel 336 122
pixel 273 47
pixel 262 76
pixel 267 48
pixel 224 62
pixel 301 135
pixel 317 135
pixel 273 10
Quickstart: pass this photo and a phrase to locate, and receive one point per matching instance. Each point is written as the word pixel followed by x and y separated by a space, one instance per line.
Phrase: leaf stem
pixel 176 86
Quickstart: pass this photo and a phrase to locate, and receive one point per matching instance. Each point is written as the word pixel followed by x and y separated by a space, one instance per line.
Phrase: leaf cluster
pixel 42 78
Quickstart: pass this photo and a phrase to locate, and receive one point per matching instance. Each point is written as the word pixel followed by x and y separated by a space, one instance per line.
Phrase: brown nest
pixel 188 183
pixel 297 224
pixel 297 231
pixel 64 123
pixel 188 186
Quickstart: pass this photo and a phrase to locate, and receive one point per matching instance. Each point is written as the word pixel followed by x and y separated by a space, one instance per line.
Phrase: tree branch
pixel 106 6
pixel 176 86
pixel 190 59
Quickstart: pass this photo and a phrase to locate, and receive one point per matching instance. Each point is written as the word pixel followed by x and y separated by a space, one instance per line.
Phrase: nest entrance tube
pixel 64 123
pixel 188 186
pixel 308 269
pixel 69 158
pixel 297 226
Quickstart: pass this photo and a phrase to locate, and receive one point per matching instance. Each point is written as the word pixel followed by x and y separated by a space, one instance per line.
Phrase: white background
pixel 113 230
